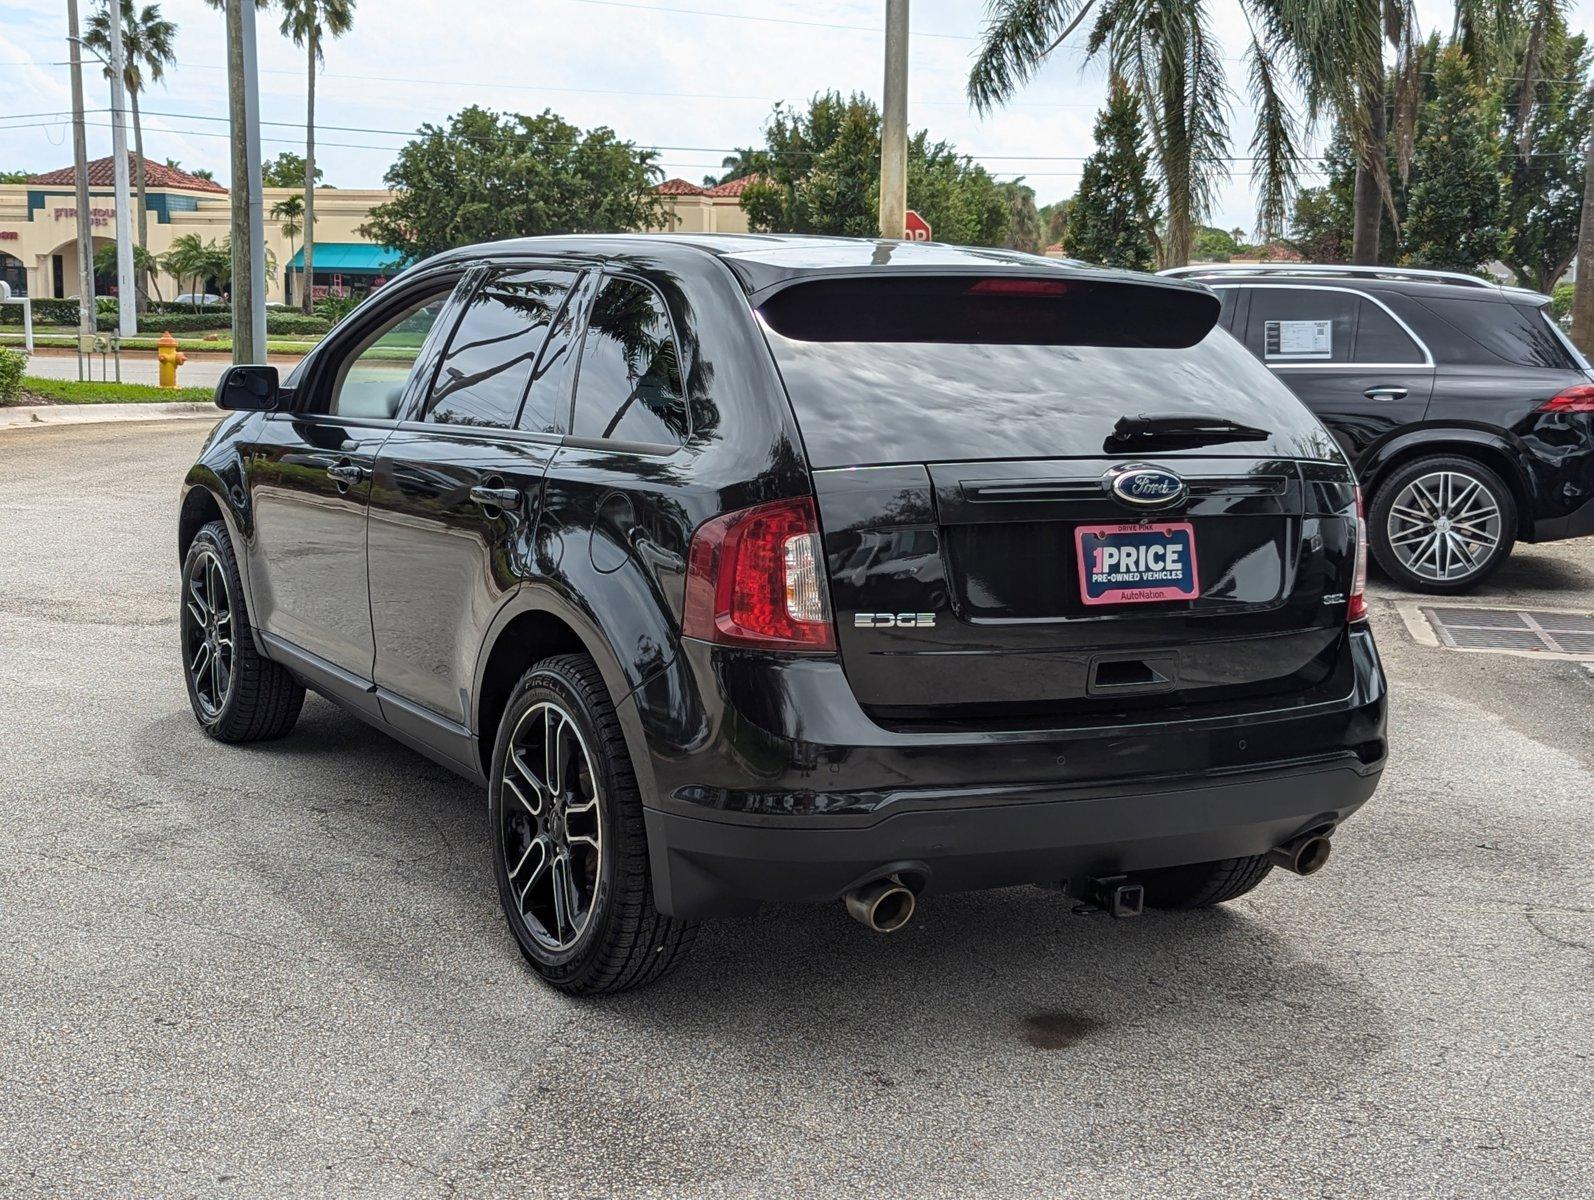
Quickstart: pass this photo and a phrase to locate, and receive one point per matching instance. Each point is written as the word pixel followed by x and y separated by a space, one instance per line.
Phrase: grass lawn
pixel 73 391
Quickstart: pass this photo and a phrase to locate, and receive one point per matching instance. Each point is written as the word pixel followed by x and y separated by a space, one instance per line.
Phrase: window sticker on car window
pixel 1300 339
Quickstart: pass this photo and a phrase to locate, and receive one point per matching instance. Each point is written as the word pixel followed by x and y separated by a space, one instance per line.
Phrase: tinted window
pixel 864 403
pixel 1230 299
pixel 1380 339
pixel 371 382
pixel 1491 333
pixel 1297 325
pixel 487 367
pixel 547 404
pixel 629 387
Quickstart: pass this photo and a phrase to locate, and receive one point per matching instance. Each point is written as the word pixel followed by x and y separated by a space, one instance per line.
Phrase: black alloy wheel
pixel 551 826
pixel 236 694
pixel 570 848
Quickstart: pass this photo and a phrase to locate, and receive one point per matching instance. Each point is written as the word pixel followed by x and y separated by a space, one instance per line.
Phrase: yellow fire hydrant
pixel 170 358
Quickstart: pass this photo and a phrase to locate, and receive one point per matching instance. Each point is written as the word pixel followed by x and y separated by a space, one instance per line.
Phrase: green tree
pixel 1166 54
pixel 144 263
pixel 1024 229
pixel 1054 217
pixel 15 176
pixel 823 176
pixel 1215 245
pixel 309 23
pixel 490 175
pixel 1453 215
pixel 197 172
pixel 1114 214
pixel 289 214
pixel 747 160
pixel 1544 178
pixel 147 51
pixel 286 170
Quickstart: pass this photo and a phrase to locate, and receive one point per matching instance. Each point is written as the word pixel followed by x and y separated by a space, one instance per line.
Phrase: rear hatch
pixel 965 434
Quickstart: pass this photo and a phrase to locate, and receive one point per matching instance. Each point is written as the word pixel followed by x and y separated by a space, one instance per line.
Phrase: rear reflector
pixel 755 578
pixel 1357 609
pixel 1577 398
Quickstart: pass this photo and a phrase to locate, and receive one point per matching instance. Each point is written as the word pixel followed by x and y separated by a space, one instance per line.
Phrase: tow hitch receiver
pixel 1114 895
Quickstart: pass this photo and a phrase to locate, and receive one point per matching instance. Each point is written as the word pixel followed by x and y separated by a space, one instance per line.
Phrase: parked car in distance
pixel 197 298
pixel 1467 413
pixel 769 569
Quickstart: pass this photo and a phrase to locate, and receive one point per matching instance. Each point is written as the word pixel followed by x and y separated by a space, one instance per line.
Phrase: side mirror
pixel 249 388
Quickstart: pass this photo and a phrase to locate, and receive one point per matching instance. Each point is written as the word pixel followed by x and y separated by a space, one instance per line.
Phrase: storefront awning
pixel 351 258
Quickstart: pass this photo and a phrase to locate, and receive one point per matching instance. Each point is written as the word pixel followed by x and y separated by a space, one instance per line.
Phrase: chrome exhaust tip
pixel 1305 855
pixel 885 906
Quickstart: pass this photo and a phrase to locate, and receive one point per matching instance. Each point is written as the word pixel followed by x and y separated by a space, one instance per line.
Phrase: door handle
pixel 506 498
pixel 1385 393
pixel 346 473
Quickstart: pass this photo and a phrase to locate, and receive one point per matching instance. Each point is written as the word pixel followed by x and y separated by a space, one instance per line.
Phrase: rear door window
pixel 487 369
pixel 953 374
pixel 1491 333
pixel 629 387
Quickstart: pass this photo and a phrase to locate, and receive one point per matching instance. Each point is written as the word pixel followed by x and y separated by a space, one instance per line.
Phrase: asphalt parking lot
pixel 281 970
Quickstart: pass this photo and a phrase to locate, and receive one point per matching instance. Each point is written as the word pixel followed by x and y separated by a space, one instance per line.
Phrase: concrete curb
pixel 32 416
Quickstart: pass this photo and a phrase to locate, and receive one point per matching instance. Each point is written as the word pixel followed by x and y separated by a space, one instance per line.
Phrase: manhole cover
pixel 1532 631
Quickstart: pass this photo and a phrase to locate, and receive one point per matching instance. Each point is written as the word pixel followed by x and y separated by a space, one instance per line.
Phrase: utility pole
pixel 894 125
pixel 248 206
pixel 1583 293
pixel 126 296
pixel 80 176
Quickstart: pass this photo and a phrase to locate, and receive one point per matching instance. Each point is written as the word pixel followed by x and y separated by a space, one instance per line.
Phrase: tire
pixel 1472 503
pixel 571 860
pixel 236 694
pixel 1202 885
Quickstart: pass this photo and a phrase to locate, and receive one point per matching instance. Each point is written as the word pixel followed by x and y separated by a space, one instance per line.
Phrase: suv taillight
pixel 757 578
pixel 1357 609
pixel 1577 398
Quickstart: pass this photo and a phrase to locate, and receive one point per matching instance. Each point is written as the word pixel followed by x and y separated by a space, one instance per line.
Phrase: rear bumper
pixel 1578 523
pixel 720 868
pixel 956 812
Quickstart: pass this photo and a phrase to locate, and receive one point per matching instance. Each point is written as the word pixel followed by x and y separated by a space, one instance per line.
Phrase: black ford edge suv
pixel 749 569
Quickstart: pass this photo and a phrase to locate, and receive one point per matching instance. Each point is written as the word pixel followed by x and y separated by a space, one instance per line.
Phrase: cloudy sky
pixel 693 77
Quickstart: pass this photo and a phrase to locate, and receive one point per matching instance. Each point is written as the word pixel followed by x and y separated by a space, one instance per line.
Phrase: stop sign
pixel 918 229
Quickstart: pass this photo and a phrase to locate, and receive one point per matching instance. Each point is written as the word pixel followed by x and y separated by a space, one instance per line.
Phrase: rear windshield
pixel 888 399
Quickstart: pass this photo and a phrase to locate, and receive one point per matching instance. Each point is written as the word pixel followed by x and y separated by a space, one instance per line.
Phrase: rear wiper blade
pixel 1174 430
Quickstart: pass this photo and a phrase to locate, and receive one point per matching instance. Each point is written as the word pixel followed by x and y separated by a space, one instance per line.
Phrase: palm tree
pixel 146 53
pixel 1164 50
pixel 308 22
pixel 290 212
pixel 188 258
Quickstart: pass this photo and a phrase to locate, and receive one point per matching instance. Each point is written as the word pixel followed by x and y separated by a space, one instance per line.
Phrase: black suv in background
pixel 799 569
pixel 1468 415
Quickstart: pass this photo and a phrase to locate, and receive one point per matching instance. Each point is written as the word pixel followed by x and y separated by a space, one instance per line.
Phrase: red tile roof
pixel 678 187
pixel 102 174
pixel 734 187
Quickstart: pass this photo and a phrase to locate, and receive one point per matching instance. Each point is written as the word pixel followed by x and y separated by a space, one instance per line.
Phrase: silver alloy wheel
pixel 1444 526
pixel 208 632
pixel 551 824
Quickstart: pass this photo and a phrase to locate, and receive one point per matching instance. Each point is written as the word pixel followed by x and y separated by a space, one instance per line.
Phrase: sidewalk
pixel 31 416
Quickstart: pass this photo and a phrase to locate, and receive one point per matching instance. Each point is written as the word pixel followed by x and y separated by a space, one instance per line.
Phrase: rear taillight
pixel 1357 609
pixel 1577 398
pixel 756 578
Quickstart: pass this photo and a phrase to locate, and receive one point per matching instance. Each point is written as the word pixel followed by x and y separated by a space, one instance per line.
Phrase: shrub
pixel 1561 304
pixel 290 324
pixel 333 309
pixel 12 363
pixel 45 312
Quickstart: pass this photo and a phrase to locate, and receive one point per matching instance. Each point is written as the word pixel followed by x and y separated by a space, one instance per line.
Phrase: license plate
pixel 1137 564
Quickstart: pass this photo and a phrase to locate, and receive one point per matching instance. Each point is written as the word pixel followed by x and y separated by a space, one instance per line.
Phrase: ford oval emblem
pixel 1146 487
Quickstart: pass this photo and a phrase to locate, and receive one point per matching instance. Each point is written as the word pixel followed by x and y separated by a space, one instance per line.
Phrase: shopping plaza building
pixel 38 230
